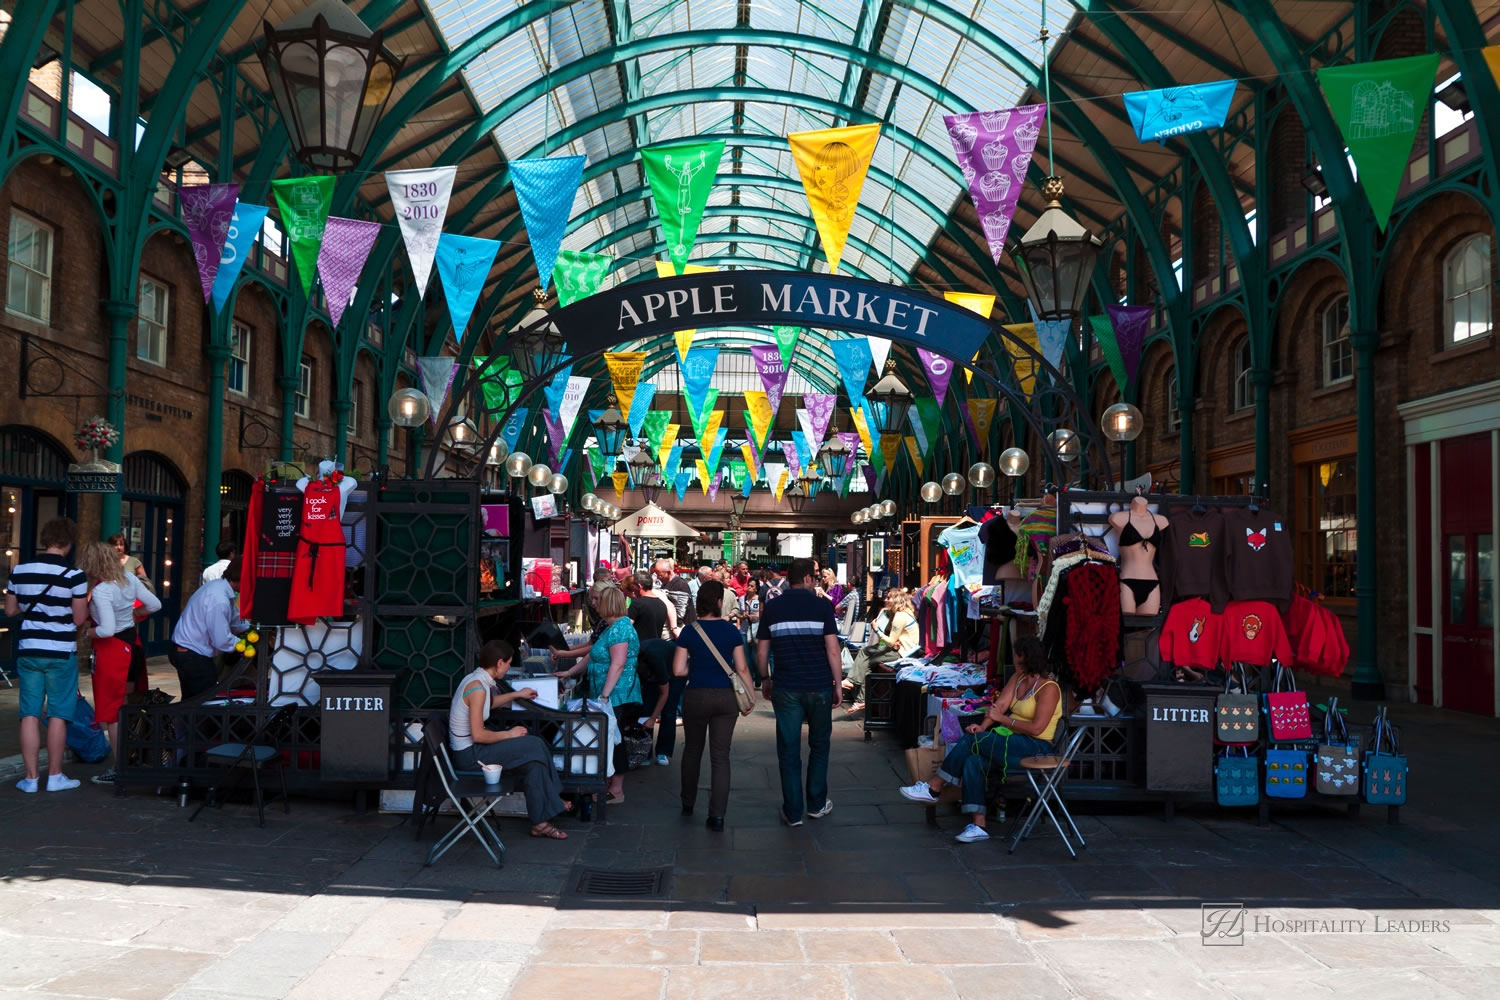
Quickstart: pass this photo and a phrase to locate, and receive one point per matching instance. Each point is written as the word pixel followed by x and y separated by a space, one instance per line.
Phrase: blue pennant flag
pixel 554 391
pixel 640 403
pixel 545 189
pixel 674 460
pixel 717 451
pixel 1051 337
pixel 749 484
pixel 1161 114
pixel 804 453
pixel 697 373
pixel 854 360
pixel 514 424
pixel 683 480
pixel 463 264
pixel 562 463
pixel 243 229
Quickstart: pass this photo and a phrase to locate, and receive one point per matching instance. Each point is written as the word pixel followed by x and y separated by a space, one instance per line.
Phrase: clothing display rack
pixel 1067 517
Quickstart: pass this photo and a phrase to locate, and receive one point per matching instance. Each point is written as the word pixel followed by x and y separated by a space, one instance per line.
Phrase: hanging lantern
pixel 896 400
pixel 537 345
pixel 611 427
pixel 1056 259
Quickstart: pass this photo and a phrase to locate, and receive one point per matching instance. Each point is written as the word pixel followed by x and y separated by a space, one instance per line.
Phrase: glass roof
pixel 893 228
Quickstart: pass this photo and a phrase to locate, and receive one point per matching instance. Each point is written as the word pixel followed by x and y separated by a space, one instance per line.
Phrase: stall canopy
pixel 653 522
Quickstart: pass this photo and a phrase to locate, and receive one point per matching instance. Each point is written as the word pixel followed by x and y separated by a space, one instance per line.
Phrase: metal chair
pixel 1051 769
pixel 462 789
pixel 263 750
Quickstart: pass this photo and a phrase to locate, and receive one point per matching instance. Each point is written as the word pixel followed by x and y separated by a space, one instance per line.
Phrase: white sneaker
pixel 919 792
pixel 27 785
pixel 61 783
pixel 663 760
pixel 973 833
pixel 827 808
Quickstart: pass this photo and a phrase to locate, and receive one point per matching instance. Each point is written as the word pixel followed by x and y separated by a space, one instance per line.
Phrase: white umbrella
pixel 653 522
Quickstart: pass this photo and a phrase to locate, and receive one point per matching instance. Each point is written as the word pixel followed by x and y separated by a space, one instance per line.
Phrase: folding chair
pixel 263 750
pixel 1047 793
pixel 464 790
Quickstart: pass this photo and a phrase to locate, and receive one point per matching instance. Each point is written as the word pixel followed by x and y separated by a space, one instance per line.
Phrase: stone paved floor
pixel 105 897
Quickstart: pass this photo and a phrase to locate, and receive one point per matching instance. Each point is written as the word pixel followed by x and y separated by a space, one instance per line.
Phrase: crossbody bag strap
pixel 713 649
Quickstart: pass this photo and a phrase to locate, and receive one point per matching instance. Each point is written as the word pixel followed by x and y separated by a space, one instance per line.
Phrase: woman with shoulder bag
pixel 112 606
pixel 716 696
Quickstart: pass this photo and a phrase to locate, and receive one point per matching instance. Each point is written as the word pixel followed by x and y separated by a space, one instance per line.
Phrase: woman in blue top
pixel 612 675
pixel 705 652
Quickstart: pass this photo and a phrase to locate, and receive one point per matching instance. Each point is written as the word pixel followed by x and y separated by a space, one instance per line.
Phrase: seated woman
pixel 1021 723
pixel 514 749
pixel 896 636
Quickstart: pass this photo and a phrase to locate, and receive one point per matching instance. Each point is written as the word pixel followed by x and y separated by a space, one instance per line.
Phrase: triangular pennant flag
pixel 877 459
pixel 346 246
pixel 244 227
pixel 684 480
pixel 869 474
pixel 500 383
pixel 627 452
pixel 668 442
pixel 436 376
pixel 672 461
pixel 982 415
pixel 304 203
pixel 794 454
pixel 654 426
pixel 713 489
pixel 684 338
pixel 419 198
pixel 207 211
pixel 862 425
pixel 624 372
pixel 800 447
pixel 1158 115
pixel 1024 364
pixel 975 302
pixel 556 436
pixel 890 449
pixel 596 461
pixel 545 189
pixel 711 426
pixel 572 401
pixel 716 453
pixel 1378 107
pixel 915 453
pixel 619 479
pixel 553 391
pixel 914 417
pixel 786 342
pixel 939 373
pixel 758 414
pixel 681 176
pixel 833 163
pixel 578 274
pixel 880 351
pixel 640 405
pixel 515 422
pixel 702 415
pixel 463 264
pixel 819 412
pixel 994 152
pixel 1104 335
pixel 752 459
pixel 1127 336
pixel 703 475
pixel 781 478
pixel 697 372
pixel 854 360
pixel 773 373
pixel 1051 336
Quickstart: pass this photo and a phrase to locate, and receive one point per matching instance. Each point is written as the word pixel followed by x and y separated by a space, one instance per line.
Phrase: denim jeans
pixel 792 708
pixel 973 758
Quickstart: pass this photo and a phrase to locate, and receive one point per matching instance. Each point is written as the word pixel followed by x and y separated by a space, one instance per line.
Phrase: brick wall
pixel 1288 150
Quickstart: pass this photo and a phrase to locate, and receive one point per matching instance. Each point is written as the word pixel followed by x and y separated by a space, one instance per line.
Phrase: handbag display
pixel 1238 715
pixel 1286 774
pixel 1286 710
pixel 742 696
pixel 1385 765
pixel 1336 762
pixel 1237 778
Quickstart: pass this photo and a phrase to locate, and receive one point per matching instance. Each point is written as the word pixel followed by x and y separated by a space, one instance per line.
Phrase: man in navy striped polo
pixel 799 628
pixel 52 601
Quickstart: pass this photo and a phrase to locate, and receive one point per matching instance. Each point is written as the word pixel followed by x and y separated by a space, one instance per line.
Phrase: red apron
pixel 318 574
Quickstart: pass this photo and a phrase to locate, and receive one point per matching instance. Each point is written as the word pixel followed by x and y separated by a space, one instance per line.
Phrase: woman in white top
pixel 112 608
pixel 897 636
pixel 514 749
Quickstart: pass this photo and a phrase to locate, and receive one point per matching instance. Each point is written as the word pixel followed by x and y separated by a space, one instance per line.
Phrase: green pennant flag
pixel 577 274
pixel 500 382
pixel 681 177
pixel 1378 107
pixel 699 416
pixel 596 460
pixel 930 417
pixel 738 470
pixel 1104 336
pixel 654 427
pixel 304 204
pixel 786 342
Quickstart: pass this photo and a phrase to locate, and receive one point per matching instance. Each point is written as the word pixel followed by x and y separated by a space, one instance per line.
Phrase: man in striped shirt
pixel 52 600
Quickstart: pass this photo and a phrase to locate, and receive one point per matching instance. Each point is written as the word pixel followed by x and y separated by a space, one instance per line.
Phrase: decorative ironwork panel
pixel 427 545
pixel 430 654
pixel 301 652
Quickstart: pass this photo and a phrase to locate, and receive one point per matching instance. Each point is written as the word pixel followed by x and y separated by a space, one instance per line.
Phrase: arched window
pixel 1466 292
pixel 1338 350
pixel 1244 395
pixel 1174 412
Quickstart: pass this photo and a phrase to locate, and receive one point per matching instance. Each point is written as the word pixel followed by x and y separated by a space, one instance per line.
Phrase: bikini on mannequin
pixel 1140 537
pixel 318 575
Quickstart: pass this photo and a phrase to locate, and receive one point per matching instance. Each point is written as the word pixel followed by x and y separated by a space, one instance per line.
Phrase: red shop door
pixel 1467 559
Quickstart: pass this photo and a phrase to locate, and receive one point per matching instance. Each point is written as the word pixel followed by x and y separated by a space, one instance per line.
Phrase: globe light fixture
pixel 953 484
pixel 409 407
pixel 981 475
pixel 1065 444
pixel 1122 422
pixel 888 508
pixel 499 452
pixel 539 476
pixel 589 502
pixel 1014 462
pixel 858 517
pixel 518 465
pixel 558 484
pixel 931 492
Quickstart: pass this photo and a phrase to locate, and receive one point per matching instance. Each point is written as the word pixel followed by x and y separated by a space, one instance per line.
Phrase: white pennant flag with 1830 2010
pixel 420 198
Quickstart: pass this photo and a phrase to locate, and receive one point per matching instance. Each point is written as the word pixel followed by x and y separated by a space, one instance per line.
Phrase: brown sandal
pixel 548 831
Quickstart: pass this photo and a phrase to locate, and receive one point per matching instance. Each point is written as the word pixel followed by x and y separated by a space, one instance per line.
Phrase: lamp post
pixel 737 503
pixel 834 455
pixel 796 497
pixel 645 474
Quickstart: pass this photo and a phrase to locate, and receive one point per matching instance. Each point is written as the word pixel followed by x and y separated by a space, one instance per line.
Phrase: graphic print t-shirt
pixel 1258 562
pixel 1193 635
pixel 966 552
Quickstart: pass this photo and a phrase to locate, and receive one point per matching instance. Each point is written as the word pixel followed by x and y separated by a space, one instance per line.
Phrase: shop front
pixel 153 514
pixel 33 473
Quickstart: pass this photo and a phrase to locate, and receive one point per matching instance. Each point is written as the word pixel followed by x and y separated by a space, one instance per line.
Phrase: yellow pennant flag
pixel 984 305
pixel 684 338
pixel 1491 55
pixel 703 475
pixel 915 453
pixel 982 413
pixel 759 407
pixel 625 371
pixel 833 163
pixel 620 479
pixel 1025 364
pixel 750 462
pixel 668 439
pixel 781 483
pixel 864 430
pixel 890 450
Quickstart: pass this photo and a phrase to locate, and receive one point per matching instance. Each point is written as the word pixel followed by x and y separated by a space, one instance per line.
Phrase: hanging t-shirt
pixel 966 552
pixel 999 540
pixel 1192 635
pixel 1258 566
pixel 1190 560
pixel 1253 633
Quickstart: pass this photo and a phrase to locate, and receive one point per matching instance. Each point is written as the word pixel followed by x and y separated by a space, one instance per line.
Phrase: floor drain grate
pixel 618 885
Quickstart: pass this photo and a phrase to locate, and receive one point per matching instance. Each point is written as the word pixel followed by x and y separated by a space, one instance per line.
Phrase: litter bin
pixel 1179 737
pixel 358 716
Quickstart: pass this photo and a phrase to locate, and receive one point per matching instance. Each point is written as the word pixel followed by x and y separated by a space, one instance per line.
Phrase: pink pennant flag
pixel 994 152
pixel 341 258
pixel 939 372
pixel 773 373
pixel 207 210
pixel 819 408
pixel 851 441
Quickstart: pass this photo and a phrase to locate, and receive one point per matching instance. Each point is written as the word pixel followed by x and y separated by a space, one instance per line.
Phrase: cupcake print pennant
pixel 994 152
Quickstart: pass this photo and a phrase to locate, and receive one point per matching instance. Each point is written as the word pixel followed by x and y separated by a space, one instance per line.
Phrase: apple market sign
pixel 647 309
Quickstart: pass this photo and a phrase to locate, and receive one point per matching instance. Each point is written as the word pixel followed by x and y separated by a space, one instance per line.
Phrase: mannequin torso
pixel 1140 536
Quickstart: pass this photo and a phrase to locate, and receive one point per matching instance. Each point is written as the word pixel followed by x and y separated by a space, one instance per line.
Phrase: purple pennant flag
pixel 554 433
pixel 793 460
pixel 341 258
pixel 819 406
pixel 772 373
pixel 1130 323
pixel 968 416
pixel 869 474
pixel 994 153
pixel 851 441
pixel 207 209
pixel 939 372
pixel 713 488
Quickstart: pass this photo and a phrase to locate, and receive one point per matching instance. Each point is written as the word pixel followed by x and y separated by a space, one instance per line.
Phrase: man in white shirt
pixel 215 571
pixel 208 625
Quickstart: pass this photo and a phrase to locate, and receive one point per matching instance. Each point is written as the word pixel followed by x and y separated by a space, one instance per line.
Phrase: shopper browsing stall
pixel 112 605
pixel 207 625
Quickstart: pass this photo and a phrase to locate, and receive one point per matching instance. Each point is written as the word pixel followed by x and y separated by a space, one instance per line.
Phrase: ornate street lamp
pixel 331 77
pixel 834 455
pixel 648 478
pixel 796 497
pixel 611 427
pixel 538 345
pixel 895 399
pixel 1056 259
pixel 737 504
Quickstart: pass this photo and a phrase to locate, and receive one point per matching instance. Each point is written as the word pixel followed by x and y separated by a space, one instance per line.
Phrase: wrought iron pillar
pixel 120 314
